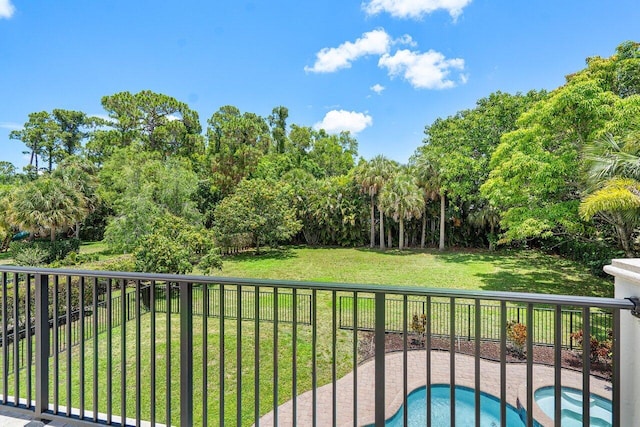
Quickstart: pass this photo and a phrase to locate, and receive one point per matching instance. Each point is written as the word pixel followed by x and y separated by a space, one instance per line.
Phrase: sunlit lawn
pixel 517 271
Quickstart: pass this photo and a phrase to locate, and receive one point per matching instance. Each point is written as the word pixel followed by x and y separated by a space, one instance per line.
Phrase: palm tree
pixel 402 199
pixel 46 204
pixel 431 181
pixel 79 175
pixel 487 216
pixel 371 176
pixel 618 203
pixel 614 186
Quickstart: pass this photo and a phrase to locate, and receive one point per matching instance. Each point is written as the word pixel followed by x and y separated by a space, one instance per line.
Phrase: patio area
pixel 516 376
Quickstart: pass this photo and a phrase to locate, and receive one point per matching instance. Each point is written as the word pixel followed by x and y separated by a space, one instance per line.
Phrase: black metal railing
pixel 156 359
pixel 543 320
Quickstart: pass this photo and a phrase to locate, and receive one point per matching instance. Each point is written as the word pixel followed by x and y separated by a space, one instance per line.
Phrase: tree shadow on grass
pixel 264 254
pixel 532 272
pixel 393 251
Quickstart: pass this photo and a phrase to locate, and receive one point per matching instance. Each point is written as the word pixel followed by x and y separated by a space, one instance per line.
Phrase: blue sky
pixel 382 68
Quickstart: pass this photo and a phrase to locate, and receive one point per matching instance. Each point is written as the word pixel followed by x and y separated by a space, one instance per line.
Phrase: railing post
pixel 627 285
pixel 42 343
pixel 379 358
pixel 186 354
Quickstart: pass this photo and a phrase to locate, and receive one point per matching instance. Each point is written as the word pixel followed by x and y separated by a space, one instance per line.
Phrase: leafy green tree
pixel 332 154
pixel 7 172
pixel 402 199
pixel 278 123
pixel 175 247
pixel 156 122
pixel 132 222
pixel 39 134
pixel 140 187
pixel 236 142
pixel 335 211
pixel 259 208
pixel 454 160
pixel 534 179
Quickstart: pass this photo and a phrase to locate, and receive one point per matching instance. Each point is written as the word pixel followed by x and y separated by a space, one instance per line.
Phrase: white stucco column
pixel 627 284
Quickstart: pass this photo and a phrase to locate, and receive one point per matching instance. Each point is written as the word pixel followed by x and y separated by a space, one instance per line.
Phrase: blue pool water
pixel 600 409
pixel 441 409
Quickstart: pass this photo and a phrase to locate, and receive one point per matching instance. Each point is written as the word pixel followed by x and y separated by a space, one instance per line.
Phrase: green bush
pixel 54 251
pixel 31 256
pixel 211 261
pixel 125 262
pixel 74 258
pixel 594 255
pixel 160 254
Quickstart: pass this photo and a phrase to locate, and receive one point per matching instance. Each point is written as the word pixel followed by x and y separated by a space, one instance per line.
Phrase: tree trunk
pixel 625 240
pixel 491 237
pixel 401 236
pixel 389 238
pixel 53 234
pixel 424 229
pixel 442 202
pixel 373 225
pixel 433 231
pixel 381 229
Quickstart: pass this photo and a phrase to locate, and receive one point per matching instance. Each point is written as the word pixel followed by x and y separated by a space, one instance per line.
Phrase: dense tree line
pixel 556 169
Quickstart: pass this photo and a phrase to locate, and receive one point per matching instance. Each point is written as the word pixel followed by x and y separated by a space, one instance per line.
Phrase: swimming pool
pixel 600 409
pixel 465 409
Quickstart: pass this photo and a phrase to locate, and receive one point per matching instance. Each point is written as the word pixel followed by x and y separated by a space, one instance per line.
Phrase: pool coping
pixel 416 377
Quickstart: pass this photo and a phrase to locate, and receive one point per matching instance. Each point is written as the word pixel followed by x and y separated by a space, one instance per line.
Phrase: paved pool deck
pixel 516 385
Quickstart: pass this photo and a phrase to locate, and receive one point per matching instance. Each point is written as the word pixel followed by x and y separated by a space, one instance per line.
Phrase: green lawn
pixel 517 271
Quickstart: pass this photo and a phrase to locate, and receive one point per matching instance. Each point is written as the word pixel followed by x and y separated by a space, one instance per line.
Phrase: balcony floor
pixel 12 418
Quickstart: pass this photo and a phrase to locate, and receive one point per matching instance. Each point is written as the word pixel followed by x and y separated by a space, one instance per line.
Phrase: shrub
pixel 54 251
pixel 600 351
pixel 419 324
pixel 517 336
pixel 32 256
pixel 175 246
pixel 120 263
pixel 594 255
pixel 160 254
pixel 74 258
pixel 211 261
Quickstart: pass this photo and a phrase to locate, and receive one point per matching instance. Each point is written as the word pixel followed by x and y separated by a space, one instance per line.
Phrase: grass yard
pixel 516 271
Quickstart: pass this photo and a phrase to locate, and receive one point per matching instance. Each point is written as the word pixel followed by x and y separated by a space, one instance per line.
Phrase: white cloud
pixel 414 9
pixel 377 88
pixel 406 39
pixel 341 120
pixel 328 60
pixel 429 70
pixel 10 125
pixel 6 9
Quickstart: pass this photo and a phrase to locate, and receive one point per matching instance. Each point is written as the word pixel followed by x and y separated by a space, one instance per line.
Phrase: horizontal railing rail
pixel 263 343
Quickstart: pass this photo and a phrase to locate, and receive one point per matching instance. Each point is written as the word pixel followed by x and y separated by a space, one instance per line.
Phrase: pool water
pixel 600 409
pixel 441 409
